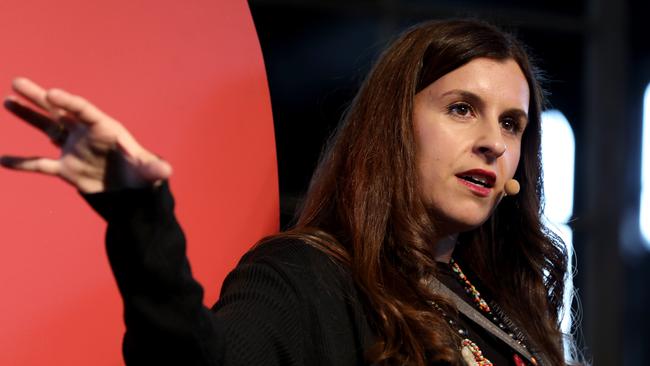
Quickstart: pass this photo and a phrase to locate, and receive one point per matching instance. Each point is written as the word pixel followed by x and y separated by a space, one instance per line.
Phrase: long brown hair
pixel 364 206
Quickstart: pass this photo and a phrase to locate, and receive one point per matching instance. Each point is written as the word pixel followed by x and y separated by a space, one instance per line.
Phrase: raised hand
pixel 97 152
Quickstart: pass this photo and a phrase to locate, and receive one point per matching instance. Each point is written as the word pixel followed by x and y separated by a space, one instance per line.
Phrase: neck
pixel 444 248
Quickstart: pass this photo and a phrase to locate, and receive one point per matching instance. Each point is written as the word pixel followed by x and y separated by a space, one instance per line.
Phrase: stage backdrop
pixel 187 78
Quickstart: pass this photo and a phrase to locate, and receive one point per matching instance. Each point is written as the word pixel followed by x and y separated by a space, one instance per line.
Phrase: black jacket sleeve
pixel 257 320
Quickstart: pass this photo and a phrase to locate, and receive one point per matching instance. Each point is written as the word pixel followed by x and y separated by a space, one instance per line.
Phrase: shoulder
pixel 294 272
pixel 297 260
pixel 292 251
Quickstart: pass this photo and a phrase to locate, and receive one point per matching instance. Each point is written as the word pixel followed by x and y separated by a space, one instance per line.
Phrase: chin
pixel 448 223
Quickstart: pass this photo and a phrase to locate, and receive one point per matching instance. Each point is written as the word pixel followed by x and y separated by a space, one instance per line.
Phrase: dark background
pixel 596 57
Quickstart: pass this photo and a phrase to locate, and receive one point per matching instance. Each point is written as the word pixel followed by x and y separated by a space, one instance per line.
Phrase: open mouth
pixel 478 177
pixel 481 181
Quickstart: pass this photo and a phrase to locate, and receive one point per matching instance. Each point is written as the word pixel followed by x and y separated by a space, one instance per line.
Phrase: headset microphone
pixel 512 187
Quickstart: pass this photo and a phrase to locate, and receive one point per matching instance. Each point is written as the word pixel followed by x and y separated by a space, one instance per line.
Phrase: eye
pixel 511 125
pixel 461 109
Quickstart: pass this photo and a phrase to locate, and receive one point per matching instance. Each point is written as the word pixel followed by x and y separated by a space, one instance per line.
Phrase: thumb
pixel 147 166
pixel 154 170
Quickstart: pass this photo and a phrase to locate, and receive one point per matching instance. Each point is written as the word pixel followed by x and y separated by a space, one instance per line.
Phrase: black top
pixel 286 302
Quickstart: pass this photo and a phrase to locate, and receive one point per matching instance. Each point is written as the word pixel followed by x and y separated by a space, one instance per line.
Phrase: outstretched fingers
pixel 39 120
pixel 32 92
pixel 87 138
pixel 77 106
pixel 58 102
pixel 32 164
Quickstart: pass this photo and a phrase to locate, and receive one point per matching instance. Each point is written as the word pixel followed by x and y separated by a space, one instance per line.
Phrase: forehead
pixel 495 81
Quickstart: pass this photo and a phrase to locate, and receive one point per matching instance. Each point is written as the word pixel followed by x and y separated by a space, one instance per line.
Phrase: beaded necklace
pixel 469 346
pixel 470 351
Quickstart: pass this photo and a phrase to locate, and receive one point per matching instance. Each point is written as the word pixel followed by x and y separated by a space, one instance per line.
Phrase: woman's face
pixel 468 126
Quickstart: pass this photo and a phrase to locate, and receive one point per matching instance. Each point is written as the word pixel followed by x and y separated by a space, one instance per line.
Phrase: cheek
pixel 435 142
pixel 511 162
pixel 434 154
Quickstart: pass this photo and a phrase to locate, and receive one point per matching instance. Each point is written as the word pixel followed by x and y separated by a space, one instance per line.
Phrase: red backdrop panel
pixel 187 78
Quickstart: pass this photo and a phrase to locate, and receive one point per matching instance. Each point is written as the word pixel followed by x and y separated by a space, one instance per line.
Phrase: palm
pixel 97 152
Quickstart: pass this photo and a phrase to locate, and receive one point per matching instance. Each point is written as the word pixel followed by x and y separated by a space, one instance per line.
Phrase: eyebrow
pixel 476 100
pixel 469 96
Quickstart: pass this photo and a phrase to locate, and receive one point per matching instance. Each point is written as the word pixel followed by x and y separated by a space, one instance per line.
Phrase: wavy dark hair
pixel 364 207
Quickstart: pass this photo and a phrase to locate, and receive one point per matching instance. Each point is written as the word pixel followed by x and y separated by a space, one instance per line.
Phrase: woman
pixel 415 176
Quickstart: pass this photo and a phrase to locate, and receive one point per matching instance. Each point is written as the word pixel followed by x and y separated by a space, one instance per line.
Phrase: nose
pixel 490 142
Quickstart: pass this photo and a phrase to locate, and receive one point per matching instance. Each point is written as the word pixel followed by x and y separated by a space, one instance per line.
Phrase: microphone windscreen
pixel 512 187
